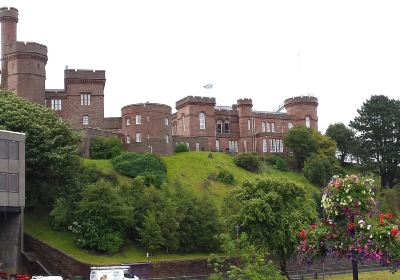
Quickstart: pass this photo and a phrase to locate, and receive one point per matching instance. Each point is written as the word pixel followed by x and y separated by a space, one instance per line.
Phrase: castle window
pixel 166 121
pixel 167 138
pixel 138 119
pixel 197 147
pixel 13 182
pixel 138 137
pixel 202 120
pixel 226 126
pixel 13 149
pixel 128 121
pixel 85 120
pixel 148 118
pixel 3 182
pixel 268 127
pixel 219 126
pixel 217 145
pixel 264 145
pixel 248 124
pixel 263 127
pixel 290 125
pixel 188 145
pixel 245 146
pixel 183 122
pixel 128 139
pixel 233 146
pixel 272 127
pixel 3 149
pixel 85 99
pixel 308 122
pixel 276 145
pixel 56 104
pixel 148 136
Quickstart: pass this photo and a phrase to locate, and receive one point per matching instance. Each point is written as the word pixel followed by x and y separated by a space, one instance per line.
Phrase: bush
pixel 226 177
pixel 91 174
pixel 149 166
pixel 318 170
pixel 247 161
pixel 280 164
pixel 272 158
pixel 181 147
pixel 105 147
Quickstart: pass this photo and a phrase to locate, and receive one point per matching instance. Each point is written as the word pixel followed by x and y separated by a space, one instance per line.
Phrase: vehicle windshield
pixel 128 274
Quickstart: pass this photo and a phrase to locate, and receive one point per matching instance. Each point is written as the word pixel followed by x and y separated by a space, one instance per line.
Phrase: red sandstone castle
pixel 146 127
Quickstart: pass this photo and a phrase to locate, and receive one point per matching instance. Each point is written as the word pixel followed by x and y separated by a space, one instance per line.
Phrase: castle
pixel 146 127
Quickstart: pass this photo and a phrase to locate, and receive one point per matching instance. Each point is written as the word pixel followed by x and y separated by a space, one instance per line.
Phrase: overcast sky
pixel 161 51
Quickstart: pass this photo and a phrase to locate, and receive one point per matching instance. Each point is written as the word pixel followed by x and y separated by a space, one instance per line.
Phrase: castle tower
pixel 304 110
pixel 246 125
pixel 8 20
pixel 26 73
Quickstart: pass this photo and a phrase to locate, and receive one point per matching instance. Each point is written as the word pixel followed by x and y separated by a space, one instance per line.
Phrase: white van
pixel 112 273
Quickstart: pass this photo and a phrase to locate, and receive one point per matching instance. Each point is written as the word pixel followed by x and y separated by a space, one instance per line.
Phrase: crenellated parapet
pixel 245 101
pixel 30 50
pixel 298 100
pixel 8 14
pixel 84 76
pixel 146 107
pixel 195 100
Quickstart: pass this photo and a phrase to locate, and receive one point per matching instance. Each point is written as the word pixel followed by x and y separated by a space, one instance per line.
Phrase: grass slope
pixel 191 169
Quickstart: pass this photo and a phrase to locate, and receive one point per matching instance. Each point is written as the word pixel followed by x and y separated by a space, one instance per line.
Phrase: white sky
pixel 161 51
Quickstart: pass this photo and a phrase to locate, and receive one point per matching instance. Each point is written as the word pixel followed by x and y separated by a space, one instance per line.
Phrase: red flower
pixel 350 226
pixel 394 231
pixel 312 226
pixel 389 215
pixel 303 234
pixel 381 216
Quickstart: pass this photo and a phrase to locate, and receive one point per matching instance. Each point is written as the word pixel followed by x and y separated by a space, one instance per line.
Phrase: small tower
pixel 26 75
pixel 303 109
pixel 246 125
pixel 8 20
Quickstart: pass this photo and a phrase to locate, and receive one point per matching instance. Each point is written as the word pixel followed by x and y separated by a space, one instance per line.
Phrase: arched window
pixel 308 122
pixel 290 125
pixel 219 126
pixel 226 126
pixel 167 138
pixel 202 120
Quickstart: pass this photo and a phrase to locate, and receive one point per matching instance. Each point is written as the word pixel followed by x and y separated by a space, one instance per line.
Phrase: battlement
pixel 195 100
pixel 26 47
pixel 8 14
pixel 245 101
pixel 142 107
pixel 310 100
pixel 84 74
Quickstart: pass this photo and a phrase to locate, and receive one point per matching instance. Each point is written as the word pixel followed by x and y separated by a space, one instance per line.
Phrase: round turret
pixel 8 20
pixel 147 127
pixel 303 109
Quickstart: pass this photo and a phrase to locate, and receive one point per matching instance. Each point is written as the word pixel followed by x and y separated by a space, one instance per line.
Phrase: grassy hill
pixel 191 169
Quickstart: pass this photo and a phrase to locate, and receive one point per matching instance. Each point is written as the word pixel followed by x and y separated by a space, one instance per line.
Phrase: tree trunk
pixel 342 158
pixel 355 269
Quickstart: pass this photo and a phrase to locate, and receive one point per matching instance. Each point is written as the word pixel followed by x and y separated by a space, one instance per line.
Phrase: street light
pixel 237 228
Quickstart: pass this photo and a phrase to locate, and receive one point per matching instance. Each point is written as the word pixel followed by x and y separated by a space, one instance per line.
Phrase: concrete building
pixel 146 127
pixel 12 199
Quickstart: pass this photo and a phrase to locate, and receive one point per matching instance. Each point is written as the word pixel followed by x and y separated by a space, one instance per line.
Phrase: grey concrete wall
pixel 10 240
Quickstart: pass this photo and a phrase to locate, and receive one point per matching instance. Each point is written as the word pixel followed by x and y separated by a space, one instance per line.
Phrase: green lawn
pixel 376 275
pixel 192 169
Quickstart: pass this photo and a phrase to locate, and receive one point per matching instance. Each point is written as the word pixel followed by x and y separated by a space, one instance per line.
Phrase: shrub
pixel 226 177
pixel 105 147
pixel 181 147
pixel 318 170
pixel 91 174
pixel 280 164
pixel 61 215
pixel 272 158
pixel 247 161
pixel 149 166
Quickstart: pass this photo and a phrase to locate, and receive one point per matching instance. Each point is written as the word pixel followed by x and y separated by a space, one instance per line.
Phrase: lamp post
pixel 237 228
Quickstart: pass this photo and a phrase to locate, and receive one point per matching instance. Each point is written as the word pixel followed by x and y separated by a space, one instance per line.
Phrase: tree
pixel 300 141
pixel 378 127
pixel 150 234
pixel 349 226
pixel 318 170
pixel 169 224
pixel 271 212
pixel 105 147
pixel 51 147
pixel 344 138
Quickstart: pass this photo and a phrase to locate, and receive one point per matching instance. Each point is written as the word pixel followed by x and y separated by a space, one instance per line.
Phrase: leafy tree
pixel 102 218
pixel 344 138
pixel 271 211
pixel 105 147
pixel 169 224
pixel 51 147
pixel 300 141
pixel 150 234
pixel 318 170
pixel 378 127
pixel 326 146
